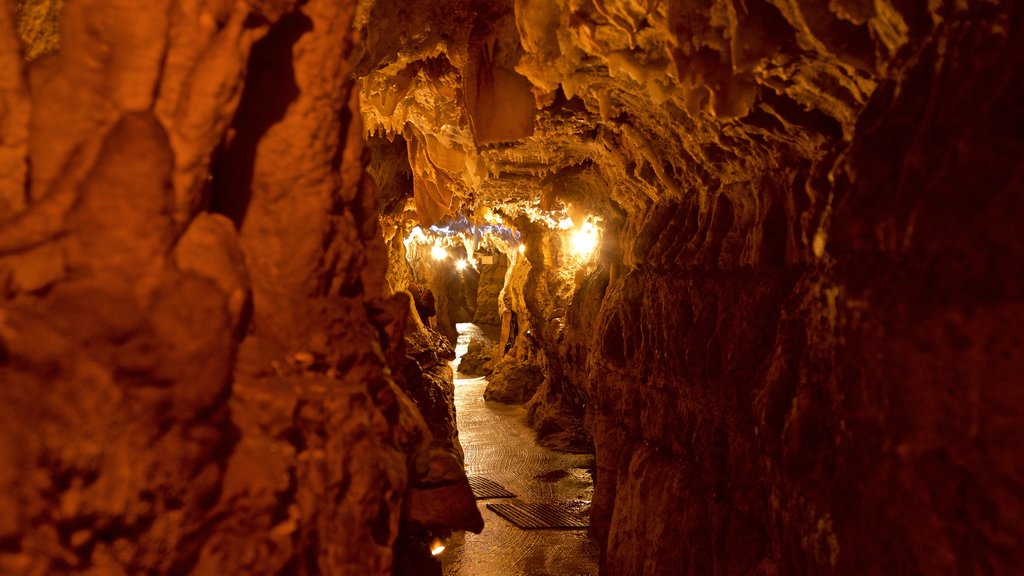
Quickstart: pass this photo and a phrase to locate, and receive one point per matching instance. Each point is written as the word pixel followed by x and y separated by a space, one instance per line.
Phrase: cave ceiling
pixel 614 106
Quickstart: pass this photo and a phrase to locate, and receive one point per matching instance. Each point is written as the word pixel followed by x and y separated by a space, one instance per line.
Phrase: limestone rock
pixel 799 202
pixel 192 381
pixel 449 506
pixel 14 114
pixel 513 381
pixel 428 381
pixel 492 280
pixel 210 248
pixel 477 357
pixel 796 349
pixel 39 26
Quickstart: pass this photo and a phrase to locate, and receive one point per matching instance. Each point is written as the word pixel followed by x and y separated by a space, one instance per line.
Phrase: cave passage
pixel 740 282
pixel 500 446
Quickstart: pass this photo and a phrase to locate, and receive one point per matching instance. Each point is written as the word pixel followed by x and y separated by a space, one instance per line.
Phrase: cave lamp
pixel 584 240
pixel 437 252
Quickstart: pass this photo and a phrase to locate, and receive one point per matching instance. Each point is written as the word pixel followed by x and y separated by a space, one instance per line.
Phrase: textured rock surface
pixel 477 357
pixel 514 381
pixel 442 279
pixel 39 26
pixel 799 351
pixel 14 116
pixel 427 376
pixel 492 280
pixel 196 378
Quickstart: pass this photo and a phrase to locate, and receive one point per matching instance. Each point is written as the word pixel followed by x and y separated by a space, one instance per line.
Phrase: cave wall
pixel 442 279
pixel 489 286
pixel 797 352
pixel 195 365
pixel 800 352
pixel 538 289
pixel 832 400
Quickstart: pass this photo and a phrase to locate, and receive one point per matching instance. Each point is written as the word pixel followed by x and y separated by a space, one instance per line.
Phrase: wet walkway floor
pixel 500 446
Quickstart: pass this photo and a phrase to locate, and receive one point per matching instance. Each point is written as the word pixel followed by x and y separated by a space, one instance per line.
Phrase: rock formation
pixel 798 351
pixel 190 248
pixel 476 361
pixel 492 281
pixel 795 350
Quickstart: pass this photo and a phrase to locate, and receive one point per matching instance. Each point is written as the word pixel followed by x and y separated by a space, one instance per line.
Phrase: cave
pixel 282 281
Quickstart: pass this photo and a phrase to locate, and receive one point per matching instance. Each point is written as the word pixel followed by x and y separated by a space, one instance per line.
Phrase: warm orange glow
pixel 584 240
pixel 436 547
pixel 461 265
pixel 522 248
pixel 438 252
pixel 416 236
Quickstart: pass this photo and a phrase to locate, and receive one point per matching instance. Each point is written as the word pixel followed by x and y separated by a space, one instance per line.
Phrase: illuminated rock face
pixel 799 351
pixel 195 354
pixel 796 351
pixel 492 280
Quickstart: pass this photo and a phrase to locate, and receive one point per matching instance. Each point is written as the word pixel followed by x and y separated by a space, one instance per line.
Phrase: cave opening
pixel 517 287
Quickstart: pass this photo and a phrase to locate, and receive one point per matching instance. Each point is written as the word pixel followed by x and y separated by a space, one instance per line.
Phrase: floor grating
pixel 487 488
pixel 531 516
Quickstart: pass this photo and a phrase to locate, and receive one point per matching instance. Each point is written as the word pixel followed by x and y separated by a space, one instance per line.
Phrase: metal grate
pixel 487 488
pixel 530 516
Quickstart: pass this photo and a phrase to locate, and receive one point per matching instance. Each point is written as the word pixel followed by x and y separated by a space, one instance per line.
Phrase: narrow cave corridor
pixel 500 447
pixel 511 287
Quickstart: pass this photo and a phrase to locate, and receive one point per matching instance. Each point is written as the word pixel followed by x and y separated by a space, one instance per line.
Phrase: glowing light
pixel 415 235
pixel 565 223
pixel 584 240
pixel 437 252
pixel 522 248
pixel 436 547
pixel 461 265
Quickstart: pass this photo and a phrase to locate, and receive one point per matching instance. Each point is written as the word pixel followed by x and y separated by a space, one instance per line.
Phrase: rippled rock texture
pixel 196 373
pixel 798 351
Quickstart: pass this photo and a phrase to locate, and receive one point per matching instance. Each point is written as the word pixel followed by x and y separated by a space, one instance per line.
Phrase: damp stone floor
pixel 500 446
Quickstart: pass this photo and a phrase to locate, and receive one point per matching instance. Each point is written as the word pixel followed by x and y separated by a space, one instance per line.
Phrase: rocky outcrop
pixel 440 499
pixel 190 255
pixel 537 293
pixel 492 281
pixel 514 380
pixel 427 377
pixel 476 361
pixel 438 277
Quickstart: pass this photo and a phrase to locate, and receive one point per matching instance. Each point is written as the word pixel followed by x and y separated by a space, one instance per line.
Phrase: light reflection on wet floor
pixel 500 446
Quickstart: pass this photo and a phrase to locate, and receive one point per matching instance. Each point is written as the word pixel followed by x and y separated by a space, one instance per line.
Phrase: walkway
pixel 500 446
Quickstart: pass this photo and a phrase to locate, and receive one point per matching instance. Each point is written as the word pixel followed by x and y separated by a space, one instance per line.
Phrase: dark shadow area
pixel 788 110
pixel 269 89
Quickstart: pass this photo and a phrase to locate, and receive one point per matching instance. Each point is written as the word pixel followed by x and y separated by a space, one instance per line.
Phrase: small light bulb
pixel 437 252
pixel 461 264
pixel 522 248
pixel 436 546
